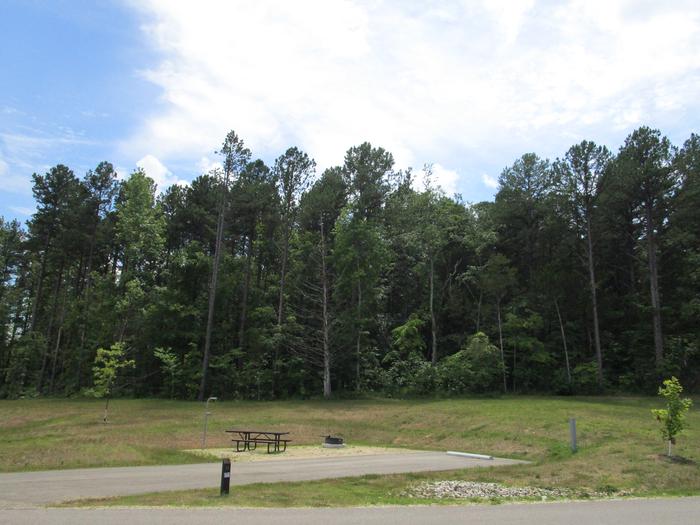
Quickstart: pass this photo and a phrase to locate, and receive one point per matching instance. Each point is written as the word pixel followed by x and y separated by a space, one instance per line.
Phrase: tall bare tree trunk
pixel 246 290
pixel 57 346
pixel 212 289
pixel 515 355
pixel 478 310
pixel 326 339
pixel 283 273
pixel 594 302
pixel 500 340
pixel 563 340
pixel 85 309
pixel 433 323
pixel 654 288
pixel 359 333
pixel 49 330
pixel 40 285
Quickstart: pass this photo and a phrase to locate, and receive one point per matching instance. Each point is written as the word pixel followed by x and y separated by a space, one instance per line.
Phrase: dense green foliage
pixel 583 275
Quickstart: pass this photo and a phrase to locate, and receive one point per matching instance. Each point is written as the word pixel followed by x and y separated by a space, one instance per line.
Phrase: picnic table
pixel 249 440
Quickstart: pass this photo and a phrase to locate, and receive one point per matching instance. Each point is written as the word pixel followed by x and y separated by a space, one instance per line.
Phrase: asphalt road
pixel 26 489
pixel 679 511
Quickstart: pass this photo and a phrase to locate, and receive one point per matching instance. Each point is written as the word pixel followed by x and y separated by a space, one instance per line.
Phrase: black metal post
pixel 225 476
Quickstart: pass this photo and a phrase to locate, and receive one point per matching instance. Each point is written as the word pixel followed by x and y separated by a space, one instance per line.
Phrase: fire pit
pixel 332 442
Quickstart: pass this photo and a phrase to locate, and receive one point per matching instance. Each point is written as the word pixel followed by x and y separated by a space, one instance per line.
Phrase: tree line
pixel 259 282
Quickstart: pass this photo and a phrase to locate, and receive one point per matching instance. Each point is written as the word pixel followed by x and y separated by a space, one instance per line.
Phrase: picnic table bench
pixel 250 439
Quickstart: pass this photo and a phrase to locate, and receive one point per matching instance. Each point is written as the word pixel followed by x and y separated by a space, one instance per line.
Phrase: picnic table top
pixel 257 432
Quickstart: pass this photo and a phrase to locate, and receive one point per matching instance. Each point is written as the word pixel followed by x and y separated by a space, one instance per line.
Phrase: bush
pixel 455 374
pixel 406 370
pixel 24 357
pixel 476 368
pixel 585 378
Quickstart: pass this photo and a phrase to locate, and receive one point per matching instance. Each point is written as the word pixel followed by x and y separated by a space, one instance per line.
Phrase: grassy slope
pixel 619 441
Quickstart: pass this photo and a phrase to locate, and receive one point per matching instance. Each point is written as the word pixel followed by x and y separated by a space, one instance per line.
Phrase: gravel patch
pixel 296 452
pixel 455 489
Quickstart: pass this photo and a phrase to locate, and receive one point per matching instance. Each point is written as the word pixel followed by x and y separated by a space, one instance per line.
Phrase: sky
pixel 465 85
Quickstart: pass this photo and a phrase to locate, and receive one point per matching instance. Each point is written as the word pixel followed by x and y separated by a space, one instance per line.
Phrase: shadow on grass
pixel 679 460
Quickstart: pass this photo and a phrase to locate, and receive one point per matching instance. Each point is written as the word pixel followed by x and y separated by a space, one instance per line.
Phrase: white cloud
pixel 122 172
pixel 488 180
pixel 430 85
pixel 12 182
pixel 205 165
pixel 155 169
pixel 445 178
pixel 23 210
pixel 33 143
pixel 22 154
pixel 440 177
pixel 508 16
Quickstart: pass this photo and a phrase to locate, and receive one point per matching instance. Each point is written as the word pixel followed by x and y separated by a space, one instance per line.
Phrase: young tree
pixel 672 418
pixel 170 365
pixel 108 363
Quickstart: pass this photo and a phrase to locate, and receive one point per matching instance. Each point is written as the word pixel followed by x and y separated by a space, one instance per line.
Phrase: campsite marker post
pixel 225 476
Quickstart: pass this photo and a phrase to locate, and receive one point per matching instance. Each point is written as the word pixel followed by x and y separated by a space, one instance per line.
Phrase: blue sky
pixel 466 85
pixel 69 89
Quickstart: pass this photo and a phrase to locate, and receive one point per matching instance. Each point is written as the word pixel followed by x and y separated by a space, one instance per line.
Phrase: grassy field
pixel 620 445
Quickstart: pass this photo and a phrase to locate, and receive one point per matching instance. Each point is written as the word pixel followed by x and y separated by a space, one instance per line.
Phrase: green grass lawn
pixel 620 445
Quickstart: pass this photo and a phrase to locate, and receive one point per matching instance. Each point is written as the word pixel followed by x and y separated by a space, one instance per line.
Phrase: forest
pixel 261 282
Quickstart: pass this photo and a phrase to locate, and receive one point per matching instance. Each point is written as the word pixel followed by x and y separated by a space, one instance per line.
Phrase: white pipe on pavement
pixel 468 455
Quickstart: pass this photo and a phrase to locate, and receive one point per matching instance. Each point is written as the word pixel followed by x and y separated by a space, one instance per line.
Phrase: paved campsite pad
pixel 25 489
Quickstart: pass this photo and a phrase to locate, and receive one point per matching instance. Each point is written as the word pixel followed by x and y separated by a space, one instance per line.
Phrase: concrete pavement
pixel 677 511
pixel 26 489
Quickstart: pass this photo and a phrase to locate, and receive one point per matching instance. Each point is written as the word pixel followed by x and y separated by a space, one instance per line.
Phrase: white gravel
pixel 455 489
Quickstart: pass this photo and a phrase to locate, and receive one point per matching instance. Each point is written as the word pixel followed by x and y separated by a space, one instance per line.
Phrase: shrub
pixel 475 368
pixel 407 371
pixel 585 378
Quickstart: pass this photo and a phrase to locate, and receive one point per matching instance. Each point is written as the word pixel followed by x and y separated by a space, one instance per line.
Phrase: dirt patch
pixel 296 452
